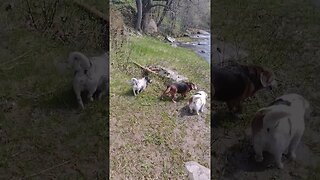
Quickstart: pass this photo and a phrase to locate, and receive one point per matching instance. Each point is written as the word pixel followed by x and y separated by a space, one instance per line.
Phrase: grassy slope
pixel 146 137
pixel 282 35
pixel 44 129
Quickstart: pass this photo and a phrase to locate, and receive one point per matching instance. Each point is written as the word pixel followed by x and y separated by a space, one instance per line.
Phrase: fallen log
pixel 93 11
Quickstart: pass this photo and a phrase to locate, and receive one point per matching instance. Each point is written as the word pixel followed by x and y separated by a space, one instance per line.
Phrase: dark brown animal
pixel 234 83
pixel 182 88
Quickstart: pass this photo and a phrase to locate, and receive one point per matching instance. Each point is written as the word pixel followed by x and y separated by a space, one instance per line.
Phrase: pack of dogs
pixel 277 128
pixel 196 102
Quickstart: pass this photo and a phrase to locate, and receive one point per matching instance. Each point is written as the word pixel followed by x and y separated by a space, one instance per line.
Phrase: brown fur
pixel 181 88
pixel 250 75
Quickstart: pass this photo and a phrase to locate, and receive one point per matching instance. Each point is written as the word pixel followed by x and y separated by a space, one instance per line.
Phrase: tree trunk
pixel 139 14
pixel 164 12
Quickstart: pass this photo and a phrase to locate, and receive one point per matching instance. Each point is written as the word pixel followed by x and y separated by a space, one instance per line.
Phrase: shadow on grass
pixel 65 98
pixel 129 92
pixel 240 157
pixel 223 119
pixel 185 111
pixel 168 98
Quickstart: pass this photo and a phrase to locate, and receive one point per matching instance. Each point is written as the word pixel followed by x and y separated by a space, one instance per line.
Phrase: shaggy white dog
pixel 197 102
pixel 278 128
pixel 139 85
pixel 91 75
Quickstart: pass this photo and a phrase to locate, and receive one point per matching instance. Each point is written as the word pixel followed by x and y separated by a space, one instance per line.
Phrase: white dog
pixel 197 102
pixel 278 128
pixel 91 75
pixel 139 85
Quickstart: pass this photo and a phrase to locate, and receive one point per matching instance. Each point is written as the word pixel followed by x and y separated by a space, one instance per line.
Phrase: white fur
pixel 138 85
pixel 283 127
pixel 198 102
pixel 89 77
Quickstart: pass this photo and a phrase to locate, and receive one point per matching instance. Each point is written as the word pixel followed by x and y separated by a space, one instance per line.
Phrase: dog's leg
pixel 190 109
pixel 202 108
pixel 278 157
pixel 174 97
pixel 77 91
pixel 79 99
pixel 293 146
pixel 197 112
pixel 258 152
pixel 134 92
pixel 99 96
pixel 230 106
pixel 90 93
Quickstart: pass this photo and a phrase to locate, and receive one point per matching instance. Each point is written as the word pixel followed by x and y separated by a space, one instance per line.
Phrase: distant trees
pixel 144 9
pixel 174 13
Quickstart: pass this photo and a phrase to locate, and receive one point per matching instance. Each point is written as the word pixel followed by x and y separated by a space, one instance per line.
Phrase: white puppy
pixel 278 128
pixel 197 102
pixel 91 75
pixel 139 85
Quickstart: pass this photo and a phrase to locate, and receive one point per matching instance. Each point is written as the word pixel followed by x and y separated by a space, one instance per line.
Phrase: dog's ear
pixel 264 79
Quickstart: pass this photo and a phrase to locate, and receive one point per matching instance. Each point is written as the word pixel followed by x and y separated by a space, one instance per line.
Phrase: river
pixel 201 45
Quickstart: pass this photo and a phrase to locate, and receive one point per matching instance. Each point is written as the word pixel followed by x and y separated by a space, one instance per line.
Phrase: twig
pixel 48 169
pixel 31 16
pixel 92 10
pixel 144 68
pixel 13 66
pixel 18 153
pixel 17 58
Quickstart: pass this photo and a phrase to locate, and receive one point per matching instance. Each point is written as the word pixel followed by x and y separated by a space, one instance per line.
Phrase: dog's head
pixel 148 80
pixel 267 79
pixel 192 86
pixel 202 93
pixel 265 76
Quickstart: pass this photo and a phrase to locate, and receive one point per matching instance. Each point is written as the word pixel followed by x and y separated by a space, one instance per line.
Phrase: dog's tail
pixel 167 90
pixel 79 61
pixel 134 81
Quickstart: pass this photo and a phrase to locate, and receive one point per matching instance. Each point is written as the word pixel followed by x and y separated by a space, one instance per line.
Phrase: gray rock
pixel 197 171
pixel 151 27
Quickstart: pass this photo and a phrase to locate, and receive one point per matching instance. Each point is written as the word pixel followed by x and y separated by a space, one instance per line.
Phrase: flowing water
pixel 201 45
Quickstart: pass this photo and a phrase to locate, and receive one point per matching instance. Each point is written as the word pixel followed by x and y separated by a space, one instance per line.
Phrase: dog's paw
pixel 259 158
pixel 293 156
pixel 280 165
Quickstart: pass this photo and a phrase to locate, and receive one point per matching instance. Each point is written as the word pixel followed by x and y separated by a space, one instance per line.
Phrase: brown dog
pixel 234 83
pixel 182 88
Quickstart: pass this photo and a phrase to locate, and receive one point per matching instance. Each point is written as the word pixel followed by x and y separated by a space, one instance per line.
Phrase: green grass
pixel 151 137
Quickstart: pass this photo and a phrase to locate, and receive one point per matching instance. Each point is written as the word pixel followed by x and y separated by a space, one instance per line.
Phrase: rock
pixel 168 73
pixel 197 171
pixel 151 27
pixel 170 39
pixel 174 45
pixel 186 34
pixel 202 32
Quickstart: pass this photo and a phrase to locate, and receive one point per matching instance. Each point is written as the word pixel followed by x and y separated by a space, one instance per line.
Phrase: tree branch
pixel 93 11
pixel 162 5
